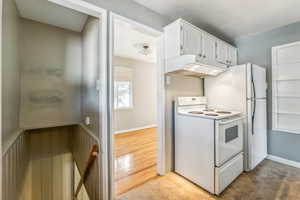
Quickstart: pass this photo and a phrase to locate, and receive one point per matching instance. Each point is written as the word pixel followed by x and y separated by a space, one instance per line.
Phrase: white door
pixel 232 55
pixel 208 46
pixel 221 52
pixel 257 132
pixel 191 40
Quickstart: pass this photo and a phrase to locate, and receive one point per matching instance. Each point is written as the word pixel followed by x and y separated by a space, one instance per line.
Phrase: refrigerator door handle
pixel 253 99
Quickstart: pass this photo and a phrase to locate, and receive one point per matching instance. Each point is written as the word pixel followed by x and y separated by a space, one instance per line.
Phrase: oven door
pixel 229 139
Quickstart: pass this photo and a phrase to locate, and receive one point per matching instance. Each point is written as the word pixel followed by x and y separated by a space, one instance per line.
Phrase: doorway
pixel 53 56
pixel 136 115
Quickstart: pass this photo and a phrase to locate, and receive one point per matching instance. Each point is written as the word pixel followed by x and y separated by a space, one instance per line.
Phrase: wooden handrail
pixel 92 157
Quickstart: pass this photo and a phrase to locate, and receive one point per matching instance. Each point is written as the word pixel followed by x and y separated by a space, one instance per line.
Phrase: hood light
pixel 204 69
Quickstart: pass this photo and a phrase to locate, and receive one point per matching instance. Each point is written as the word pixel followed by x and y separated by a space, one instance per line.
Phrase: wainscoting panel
pixel 15 163
pixel 83 141
pixel 82 195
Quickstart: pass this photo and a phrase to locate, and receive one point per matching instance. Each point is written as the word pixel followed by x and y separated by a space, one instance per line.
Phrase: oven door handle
pixel 230 121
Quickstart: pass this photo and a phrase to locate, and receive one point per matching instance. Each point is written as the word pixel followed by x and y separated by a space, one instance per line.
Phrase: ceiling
pixel 126 38
pixel 49 13
pixel 231 18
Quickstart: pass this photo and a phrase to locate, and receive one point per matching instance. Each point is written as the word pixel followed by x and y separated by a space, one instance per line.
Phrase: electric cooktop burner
pixel 211 114
pixel 223 112
pixel 196 112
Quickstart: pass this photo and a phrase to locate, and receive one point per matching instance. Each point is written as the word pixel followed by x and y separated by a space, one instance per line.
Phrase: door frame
pixel 161 155
pixel 1 35
pixel 101 14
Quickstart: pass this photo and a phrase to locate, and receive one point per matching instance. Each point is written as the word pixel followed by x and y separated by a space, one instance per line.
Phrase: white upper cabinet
pixel 191 40
pixel 232 55
pixel 226 53
pixel 208 47
pixel 222 52
pixel 183 38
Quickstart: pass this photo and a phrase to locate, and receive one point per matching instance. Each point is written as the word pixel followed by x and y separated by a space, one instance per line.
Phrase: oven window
pixel 231 134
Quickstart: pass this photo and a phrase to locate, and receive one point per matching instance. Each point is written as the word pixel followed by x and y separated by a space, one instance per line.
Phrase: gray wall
pixel 132 10
pixel 90 74
pixel 10 70
pixel 50 75
pixel 179 86
pixel 257 49
pixel 144 88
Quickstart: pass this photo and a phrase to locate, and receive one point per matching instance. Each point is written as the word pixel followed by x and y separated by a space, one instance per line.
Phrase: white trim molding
pixel 284 161
pixel 160 98
pixel 136 129
pixel 291 97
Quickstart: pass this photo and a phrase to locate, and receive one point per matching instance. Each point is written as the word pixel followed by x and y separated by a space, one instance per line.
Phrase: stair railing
pixel 92 157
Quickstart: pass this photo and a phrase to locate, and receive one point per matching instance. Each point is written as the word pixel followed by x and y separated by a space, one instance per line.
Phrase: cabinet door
pixel 232 55
pixel 191 40
pixel 208 47
pixel 221 52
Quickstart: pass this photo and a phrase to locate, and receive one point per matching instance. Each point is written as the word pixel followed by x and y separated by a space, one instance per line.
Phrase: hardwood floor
pixel 136 159
pixel 269 181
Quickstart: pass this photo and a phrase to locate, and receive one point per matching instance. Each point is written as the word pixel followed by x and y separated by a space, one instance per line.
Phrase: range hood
pixel 192 65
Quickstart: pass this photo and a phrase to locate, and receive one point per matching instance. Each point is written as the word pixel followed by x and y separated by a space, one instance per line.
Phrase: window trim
pixel 275 96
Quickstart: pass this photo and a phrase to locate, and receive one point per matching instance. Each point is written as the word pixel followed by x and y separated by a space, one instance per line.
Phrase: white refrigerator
pixel 243 88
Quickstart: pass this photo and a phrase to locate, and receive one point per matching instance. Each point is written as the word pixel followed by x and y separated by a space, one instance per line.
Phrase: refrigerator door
pixel 257 83
pixel 257 132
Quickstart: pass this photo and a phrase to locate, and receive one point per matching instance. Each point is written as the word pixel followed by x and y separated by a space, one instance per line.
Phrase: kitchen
pixel 236 95
pixel 227 108
pixel 229 131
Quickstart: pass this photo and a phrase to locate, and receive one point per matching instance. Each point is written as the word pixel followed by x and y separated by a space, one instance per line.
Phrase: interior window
pixel 123 94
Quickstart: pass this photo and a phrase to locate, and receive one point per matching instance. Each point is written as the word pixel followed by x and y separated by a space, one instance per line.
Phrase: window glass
pixel 123 94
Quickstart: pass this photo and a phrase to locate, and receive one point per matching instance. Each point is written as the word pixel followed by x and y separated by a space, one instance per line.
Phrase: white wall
pixel 144 111
pixel 50 76
pixel 90 74
pixel 10 70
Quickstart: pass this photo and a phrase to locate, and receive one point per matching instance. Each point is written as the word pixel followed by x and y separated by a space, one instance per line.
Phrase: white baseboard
pixel 284 161
pixel 136 129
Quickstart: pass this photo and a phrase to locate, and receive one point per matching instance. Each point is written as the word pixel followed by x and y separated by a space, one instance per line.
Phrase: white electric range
pixel 208 148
